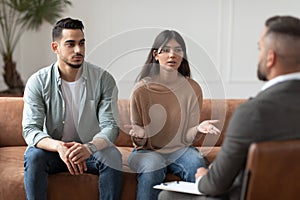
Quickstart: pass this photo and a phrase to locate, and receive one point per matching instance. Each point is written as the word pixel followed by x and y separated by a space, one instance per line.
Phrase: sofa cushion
pixel 12 172
pixel 64 186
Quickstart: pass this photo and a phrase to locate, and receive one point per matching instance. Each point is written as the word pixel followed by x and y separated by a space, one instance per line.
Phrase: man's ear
pixel 271 58
pixel 54 46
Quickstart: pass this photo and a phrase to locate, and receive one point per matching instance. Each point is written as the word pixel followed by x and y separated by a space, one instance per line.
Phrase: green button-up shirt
pixel 44 106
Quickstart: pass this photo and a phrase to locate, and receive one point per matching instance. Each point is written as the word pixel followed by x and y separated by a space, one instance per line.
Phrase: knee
pixel 152 167
pixel 149 166
pixel 34 156
pixel 148 179
pixel 110 156
pixel 195 159
pixel 35 160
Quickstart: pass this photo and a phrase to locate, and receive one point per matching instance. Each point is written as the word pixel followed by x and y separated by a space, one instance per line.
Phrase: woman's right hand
pixel 136 131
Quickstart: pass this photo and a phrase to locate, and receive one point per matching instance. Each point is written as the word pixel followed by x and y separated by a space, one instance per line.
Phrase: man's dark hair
pixel 66 23
pixel 286 25
pixel 284 33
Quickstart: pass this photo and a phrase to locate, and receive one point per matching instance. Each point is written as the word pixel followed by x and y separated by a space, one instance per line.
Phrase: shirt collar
pixel 281 78
pixel 83 72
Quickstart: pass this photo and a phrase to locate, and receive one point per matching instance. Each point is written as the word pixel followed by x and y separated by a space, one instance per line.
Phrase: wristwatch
pixel 92 147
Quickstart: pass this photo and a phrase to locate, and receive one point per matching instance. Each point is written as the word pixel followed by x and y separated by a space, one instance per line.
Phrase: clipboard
pixel 180 186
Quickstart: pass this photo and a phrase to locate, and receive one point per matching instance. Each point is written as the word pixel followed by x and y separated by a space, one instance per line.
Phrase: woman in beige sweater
pixel 165 117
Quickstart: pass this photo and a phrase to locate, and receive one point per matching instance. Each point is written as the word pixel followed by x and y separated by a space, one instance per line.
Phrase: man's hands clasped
pixel 74 156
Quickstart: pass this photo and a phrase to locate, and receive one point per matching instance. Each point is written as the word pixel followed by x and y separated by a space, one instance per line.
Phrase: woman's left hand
pixel 208 127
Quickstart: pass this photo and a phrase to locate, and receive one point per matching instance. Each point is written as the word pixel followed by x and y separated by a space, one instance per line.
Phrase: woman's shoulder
pixel 140 87
pixel 141 84
pixel 192 81
pixel 194 84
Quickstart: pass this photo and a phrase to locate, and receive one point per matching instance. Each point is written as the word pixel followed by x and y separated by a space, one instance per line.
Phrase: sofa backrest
pixel 11 109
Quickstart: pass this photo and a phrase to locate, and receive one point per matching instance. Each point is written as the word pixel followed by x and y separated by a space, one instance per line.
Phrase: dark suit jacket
pixel 274 114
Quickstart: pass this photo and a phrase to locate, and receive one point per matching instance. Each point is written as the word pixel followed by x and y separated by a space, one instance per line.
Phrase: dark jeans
pixel 39 163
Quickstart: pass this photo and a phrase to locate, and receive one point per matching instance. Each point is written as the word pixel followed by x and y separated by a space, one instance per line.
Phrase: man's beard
pixel 260 75
pixel 73 66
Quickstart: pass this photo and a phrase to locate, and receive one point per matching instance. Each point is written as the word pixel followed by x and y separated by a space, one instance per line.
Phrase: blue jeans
pixel 152 168
pixel 39 163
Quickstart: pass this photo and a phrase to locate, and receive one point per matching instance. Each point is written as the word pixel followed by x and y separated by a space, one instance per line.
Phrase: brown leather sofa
pixel 65 186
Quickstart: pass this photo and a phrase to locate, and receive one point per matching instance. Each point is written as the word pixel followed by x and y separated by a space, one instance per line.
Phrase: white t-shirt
pixel 71 93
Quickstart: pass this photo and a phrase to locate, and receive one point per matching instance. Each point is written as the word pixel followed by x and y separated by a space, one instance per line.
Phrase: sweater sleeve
pixel 194 113
pixel 136 118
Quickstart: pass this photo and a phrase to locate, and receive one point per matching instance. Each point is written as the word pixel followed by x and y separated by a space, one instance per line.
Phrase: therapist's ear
pixel 271 58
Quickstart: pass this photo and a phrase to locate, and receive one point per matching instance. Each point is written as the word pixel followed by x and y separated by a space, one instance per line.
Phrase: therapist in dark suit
pixel 272 115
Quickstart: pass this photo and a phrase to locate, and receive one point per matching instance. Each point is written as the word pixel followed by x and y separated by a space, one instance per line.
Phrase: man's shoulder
pixel 96 70
pixel 253 104
pixel 259 107
pixel 43 72
pixel 274 95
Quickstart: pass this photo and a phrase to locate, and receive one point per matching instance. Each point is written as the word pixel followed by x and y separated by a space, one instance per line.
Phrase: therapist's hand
pixel 201 172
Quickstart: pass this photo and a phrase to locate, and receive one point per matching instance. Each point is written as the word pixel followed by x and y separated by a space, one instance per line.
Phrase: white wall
pixel 221 37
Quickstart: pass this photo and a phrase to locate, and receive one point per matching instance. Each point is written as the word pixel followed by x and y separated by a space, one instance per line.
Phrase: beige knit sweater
pixel 169 115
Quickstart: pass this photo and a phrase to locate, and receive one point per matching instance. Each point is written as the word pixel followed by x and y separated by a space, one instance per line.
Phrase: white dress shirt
pixel 281 78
